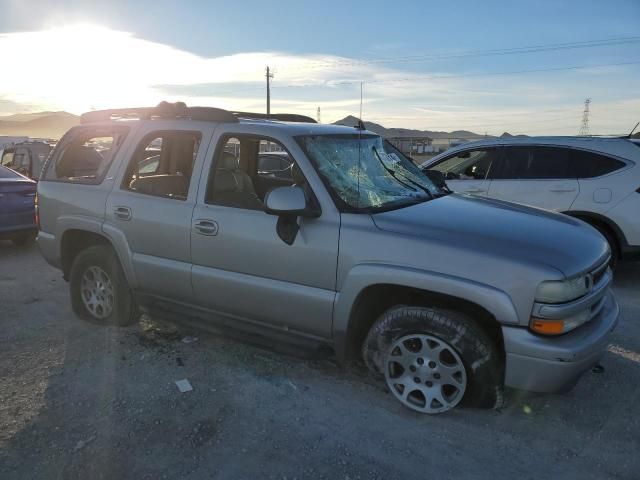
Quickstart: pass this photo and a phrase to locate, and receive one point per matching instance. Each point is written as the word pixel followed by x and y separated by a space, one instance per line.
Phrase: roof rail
pixel 284 117
pixel 163 110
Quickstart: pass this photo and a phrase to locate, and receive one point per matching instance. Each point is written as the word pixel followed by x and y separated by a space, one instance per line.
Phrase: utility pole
pixel 269 76
pixel 584 128
pixel 319 115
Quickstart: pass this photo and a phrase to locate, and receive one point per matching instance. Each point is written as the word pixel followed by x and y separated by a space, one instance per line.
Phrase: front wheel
pixel 432 359
pixel 99 290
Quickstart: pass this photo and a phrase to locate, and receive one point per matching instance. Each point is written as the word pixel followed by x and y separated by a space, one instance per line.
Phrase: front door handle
pixel 204 226
pixel 475 190
pixel 123 213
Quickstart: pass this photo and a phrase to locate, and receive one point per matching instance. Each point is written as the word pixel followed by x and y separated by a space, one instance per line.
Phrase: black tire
pixel 124 311
pixel 24 239
pixel 477 350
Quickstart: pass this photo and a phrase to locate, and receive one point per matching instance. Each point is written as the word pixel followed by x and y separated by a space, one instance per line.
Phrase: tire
pixel 99 290
pixel 24 239
pixel 456 335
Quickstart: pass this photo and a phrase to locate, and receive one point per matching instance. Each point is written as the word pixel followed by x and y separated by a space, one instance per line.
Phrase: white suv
pixel 594 179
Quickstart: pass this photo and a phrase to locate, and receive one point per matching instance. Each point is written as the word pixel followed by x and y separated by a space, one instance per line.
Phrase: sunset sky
pixel 522 67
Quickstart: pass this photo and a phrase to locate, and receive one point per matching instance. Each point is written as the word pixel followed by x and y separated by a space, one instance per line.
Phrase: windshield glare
pixel 362 175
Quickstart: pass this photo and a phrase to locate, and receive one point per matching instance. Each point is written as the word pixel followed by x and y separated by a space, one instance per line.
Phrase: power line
pixel 438 77
pixel 475 53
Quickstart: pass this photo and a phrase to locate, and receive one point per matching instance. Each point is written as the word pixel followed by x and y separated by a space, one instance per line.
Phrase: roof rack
pixel 163 110
pixel 284 117
pixel 180 110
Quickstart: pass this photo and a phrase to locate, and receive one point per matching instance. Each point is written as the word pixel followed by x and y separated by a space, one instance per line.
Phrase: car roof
pixel 617 146
pixel 167 114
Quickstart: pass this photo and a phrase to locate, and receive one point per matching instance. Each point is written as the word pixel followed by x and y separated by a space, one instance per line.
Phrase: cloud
pixel 83 67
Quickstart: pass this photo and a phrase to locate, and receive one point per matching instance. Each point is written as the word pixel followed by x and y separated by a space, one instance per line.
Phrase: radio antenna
pixel 360 128
pixel 630 133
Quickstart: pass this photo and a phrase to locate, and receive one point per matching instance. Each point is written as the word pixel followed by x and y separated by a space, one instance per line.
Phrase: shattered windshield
pixel 362 175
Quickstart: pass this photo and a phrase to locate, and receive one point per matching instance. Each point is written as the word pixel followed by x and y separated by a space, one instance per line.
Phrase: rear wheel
pixel 433 359
pixel 99 290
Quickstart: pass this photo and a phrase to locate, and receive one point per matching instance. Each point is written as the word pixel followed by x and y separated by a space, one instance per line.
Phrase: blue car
pixel 17 207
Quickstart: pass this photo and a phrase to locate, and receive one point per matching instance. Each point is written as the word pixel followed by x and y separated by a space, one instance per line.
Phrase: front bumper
pixel 554 364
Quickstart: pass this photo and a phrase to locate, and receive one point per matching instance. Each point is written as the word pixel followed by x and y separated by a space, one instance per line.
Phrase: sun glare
pixel 76 68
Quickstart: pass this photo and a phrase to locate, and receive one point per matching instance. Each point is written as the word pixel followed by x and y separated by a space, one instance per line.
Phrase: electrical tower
pixel 584 128
pixel 269 76
pixel 319 115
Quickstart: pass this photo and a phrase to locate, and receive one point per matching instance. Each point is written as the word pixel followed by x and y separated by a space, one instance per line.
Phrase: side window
pixel 244 170
pixel 469 165
pixel 162 164
pixel 277 166
pixel 22 161
pixel 591 165
pixel 86 158
pixel 535 163
pixel 7 158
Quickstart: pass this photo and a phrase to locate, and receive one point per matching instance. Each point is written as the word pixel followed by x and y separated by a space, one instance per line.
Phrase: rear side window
pixel 590 165
pixel 163 163
pixel 86 157
pixel 535 163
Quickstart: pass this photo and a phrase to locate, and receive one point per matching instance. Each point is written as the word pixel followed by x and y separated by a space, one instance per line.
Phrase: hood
pixel 503 229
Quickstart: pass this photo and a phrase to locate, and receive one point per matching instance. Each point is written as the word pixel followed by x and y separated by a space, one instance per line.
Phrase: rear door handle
pixel 123 213
pixel 475 190
pixel 561 189
pixel 204 226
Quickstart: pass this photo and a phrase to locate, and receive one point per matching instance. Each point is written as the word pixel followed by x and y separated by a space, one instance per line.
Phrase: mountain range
pixel 352 121
pixel 38 125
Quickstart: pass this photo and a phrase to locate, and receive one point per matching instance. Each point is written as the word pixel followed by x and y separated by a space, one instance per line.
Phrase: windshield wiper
pixel 393 174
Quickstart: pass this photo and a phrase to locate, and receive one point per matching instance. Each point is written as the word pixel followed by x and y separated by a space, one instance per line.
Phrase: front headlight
pixel 562 291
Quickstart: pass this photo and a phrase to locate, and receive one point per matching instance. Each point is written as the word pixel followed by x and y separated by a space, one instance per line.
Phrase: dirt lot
pixel 79 401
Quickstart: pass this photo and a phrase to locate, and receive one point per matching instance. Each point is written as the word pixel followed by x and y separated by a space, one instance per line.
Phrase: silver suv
pixel 446 297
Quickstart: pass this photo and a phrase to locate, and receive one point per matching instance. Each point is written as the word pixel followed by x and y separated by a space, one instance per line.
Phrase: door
pixel 242 269
pixel 469 171
pixel 152 205
pixel 536 176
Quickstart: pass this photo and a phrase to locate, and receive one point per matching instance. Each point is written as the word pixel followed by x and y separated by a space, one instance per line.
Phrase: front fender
pixel 495 301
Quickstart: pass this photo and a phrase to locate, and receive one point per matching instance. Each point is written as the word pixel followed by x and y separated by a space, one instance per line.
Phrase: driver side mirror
pixel 288 203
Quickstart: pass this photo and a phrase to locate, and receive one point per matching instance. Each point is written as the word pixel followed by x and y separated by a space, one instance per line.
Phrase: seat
pixel 232 186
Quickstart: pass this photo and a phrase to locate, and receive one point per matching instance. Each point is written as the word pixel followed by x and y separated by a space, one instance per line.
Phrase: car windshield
pixel 362 176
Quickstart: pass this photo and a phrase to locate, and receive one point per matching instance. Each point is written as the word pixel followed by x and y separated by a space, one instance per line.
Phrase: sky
pixel 486 66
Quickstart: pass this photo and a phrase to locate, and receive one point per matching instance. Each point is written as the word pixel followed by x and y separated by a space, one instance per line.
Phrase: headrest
pixel 228 161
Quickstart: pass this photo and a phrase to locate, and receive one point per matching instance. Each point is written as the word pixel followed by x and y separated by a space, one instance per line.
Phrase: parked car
pixel 594 179
pixel 446 297
pixel 26 158
pixel 275 164
pixel 17 207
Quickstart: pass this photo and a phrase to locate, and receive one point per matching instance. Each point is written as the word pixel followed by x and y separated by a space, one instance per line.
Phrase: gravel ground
pixel 80 401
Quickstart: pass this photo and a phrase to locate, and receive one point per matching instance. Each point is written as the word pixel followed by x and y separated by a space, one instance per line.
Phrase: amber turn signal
pixel 547 327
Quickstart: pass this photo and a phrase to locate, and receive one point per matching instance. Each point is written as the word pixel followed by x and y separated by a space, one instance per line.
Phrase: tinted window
pixel 468 165
pixel 589 165
pixel 86 157
pixel 535 163
pixel 162 165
